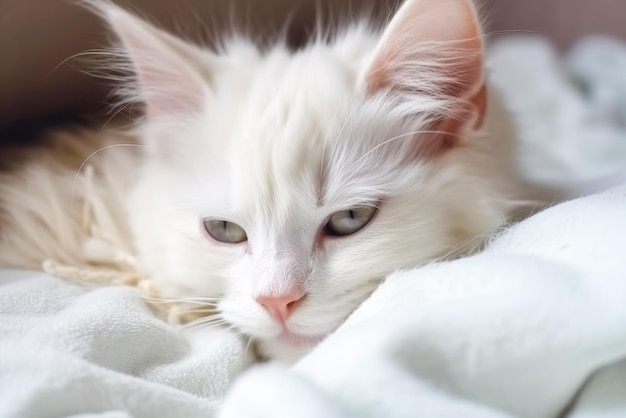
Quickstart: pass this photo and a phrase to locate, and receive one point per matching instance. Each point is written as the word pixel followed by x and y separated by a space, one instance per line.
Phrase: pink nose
pixel 281 306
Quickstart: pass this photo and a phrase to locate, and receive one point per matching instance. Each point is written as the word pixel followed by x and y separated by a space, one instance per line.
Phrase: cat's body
pixel 275 146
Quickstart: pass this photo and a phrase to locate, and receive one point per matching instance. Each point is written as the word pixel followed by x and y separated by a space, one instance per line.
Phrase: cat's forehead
pixel 290 113
pixel 283 128
pixel 301 92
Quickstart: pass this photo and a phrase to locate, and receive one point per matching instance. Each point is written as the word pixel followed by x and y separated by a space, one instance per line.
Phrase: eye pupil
pixel 224 231
pixel 349 221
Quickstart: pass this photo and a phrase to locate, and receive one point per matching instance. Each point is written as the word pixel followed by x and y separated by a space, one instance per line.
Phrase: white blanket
pixel 67 350
pixel 533 327
pixel 514 331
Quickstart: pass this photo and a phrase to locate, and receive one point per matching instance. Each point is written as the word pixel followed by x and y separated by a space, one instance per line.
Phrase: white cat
pixel 286 184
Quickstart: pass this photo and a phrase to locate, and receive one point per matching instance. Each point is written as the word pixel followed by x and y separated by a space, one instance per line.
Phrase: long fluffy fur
pixel 45 189
pixel 278 140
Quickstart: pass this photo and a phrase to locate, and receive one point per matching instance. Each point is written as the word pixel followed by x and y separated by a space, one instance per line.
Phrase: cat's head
pixel 288 184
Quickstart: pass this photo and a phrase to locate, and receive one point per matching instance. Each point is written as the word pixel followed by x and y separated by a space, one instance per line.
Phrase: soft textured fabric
pixel 513 331
pixel 67 350
pixel 532 327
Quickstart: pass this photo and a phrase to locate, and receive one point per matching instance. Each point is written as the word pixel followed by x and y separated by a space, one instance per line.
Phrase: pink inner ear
pixel 166 94
pixel 430 39
pixel 433 48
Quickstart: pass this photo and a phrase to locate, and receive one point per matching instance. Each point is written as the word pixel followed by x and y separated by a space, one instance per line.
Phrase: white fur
pixel 275 141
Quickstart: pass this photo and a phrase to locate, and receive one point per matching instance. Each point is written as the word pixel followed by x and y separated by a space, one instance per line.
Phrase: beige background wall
pixel 562 20
pixel 36 35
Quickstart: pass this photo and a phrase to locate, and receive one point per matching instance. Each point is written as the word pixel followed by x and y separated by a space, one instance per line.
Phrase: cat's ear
pixel 168 71
pixel 433 48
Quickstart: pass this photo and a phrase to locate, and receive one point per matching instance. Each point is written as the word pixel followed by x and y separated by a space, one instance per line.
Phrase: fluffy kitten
pixel 287 184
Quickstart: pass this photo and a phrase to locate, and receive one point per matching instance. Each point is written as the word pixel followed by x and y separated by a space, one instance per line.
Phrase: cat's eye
pixel 347 222
pixel 224 231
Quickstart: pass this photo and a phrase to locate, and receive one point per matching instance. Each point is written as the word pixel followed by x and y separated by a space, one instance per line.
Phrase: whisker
pixel 398 137
pixel 80 169
pixel 193 298
pixel 197 310
pixel 208 322
pixel 181 300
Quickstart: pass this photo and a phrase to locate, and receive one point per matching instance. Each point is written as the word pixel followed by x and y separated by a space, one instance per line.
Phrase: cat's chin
pixel 287 348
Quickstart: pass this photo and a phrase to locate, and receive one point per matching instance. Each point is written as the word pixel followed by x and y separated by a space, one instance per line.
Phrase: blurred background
pixel 36 36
